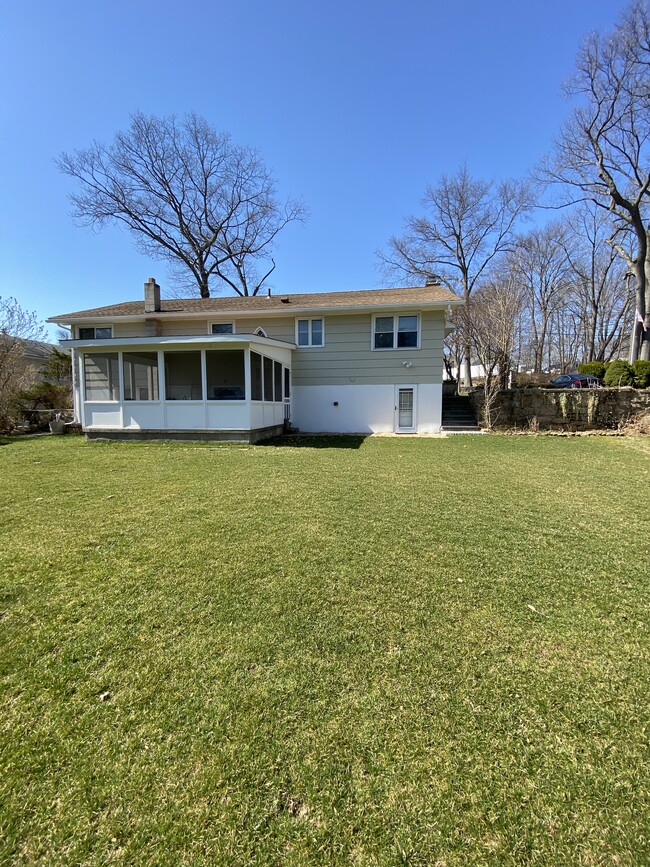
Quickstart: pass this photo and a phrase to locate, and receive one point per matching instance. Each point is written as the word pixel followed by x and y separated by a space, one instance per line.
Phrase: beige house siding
pixel 347 356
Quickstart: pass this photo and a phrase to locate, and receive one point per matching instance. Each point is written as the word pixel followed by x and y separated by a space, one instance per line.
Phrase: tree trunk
pixel 467 344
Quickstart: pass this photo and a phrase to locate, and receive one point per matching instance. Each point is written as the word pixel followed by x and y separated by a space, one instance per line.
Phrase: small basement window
pixel 105 332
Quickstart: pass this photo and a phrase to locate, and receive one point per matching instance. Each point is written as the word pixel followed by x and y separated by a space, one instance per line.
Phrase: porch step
pixel 458 415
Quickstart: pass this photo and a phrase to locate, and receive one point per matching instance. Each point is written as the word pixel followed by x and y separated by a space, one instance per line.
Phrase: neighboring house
pixel 240 367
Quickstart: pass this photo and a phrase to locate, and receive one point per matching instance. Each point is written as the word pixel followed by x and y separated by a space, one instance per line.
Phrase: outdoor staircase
pixel 458 415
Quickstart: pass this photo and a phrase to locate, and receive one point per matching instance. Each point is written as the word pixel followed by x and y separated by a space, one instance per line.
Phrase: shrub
pixel 592 368
pixel 619 373
pixel 641 373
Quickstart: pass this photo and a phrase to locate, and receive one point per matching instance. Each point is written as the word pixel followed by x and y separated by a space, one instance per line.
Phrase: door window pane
pixel 183 376
pixel 405 413
pixel 140 370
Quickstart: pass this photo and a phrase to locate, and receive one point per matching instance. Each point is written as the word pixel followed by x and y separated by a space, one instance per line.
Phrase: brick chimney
pixel 151 296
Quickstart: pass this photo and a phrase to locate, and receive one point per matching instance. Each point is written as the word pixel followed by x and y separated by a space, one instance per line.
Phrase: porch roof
pixel 231 341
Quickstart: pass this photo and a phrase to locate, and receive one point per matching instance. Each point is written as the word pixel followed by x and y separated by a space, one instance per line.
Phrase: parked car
pixel 576 380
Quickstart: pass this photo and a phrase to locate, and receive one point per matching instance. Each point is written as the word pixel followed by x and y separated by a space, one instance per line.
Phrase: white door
pixel 405 409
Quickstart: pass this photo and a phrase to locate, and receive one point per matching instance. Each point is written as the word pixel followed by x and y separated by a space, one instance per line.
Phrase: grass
pixel 424 652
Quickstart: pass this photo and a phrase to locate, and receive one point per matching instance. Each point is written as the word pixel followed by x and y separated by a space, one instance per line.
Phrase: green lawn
pixel 429 652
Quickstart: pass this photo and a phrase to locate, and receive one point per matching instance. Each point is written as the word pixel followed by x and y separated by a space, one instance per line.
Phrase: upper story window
pixel 102 333
pixel 222 328
pixel 310 332
pixel 395 332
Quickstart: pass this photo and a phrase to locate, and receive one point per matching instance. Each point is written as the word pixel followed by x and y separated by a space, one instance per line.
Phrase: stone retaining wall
pixel 569 409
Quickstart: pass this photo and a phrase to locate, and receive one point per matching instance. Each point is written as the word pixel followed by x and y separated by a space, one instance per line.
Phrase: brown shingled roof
pixel 432 294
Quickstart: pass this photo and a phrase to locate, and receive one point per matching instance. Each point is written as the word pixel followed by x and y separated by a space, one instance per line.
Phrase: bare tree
pixel 467 225
pixel 603 152
pixel 17 328
pixel 599 300
pixel 539 264
pixel 188 195
pixel 496 308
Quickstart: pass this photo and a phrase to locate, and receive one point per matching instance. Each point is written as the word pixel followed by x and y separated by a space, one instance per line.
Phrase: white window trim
pixel 221 322
pixel 395 348
pixel 311 319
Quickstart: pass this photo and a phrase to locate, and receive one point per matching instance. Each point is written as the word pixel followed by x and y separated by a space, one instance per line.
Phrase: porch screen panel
pixel 183 376
pixel 101 376
pixel 277 380
pixel 268 378
pixel 225 373
pixel 140 375
pixel 256 376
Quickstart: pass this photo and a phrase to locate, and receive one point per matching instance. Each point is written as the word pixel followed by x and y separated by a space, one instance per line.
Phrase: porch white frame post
pixel 204 386
pixel 120 385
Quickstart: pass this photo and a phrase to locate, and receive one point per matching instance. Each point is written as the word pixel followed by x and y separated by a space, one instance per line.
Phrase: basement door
pixel 404 408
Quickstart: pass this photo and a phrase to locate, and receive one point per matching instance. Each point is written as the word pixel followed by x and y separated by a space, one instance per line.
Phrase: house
pixel 243 367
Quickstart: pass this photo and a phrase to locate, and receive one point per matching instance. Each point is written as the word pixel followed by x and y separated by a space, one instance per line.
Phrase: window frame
pixel 310 320
pixel 230 322
pixel 396 318
pixel 94 328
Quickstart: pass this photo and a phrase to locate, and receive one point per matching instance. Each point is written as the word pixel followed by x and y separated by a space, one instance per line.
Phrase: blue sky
pixel 356 106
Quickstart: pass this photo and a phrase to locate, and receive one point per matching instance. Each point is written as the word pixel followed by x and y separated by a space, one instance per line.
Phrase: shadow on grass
pixel 15 439
pixel 303 441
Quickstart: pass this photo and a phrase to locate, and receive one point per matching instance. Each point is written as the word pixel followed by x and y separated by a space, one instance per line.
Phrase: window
pixel 140 370
pixel 101 376
pixel 287 383
pixel 183 376
pixel 225 374
pixel 310 332
pixel 260 332
pixel 104 333
pixel 256 376
pixel 222 328
pixel 395 332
